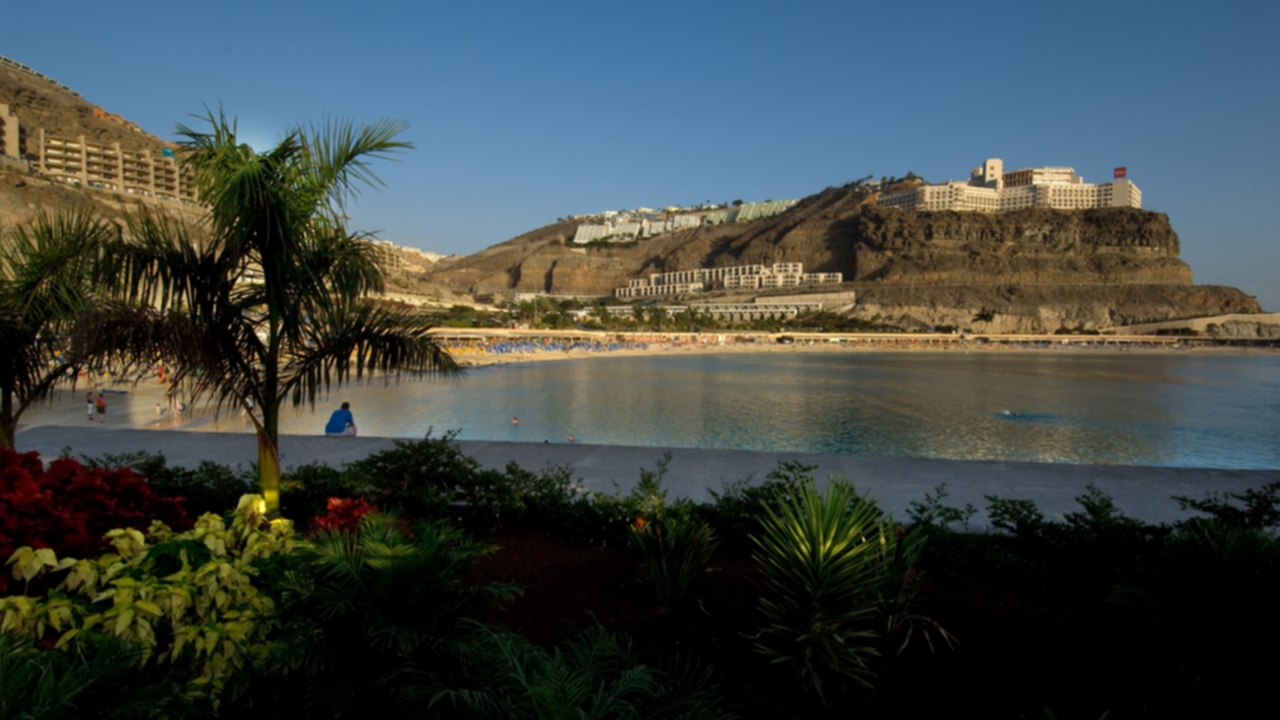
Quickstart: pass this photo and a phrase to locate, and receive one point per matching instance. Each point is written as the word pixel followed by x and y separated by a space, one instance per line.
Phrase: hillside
pixel 43 103
pixel 1038 270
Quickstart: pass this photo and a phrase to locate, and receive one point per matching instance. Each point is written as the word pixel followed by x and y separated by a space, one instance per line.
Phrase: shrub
pixel 344 514
pixel 210 487
pixel 593 677
pixel 365 613
pixel 735 510
pixel 94 680
pixel 68 508
pixel 305 490
pixel 1261 507
pixel 188 600
pixel 1097 544
pixel 674 551
pixel 822 560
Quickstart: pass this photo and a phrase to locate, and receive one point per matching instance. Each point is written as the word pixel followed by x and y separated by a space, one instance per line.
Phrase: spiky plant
pixel 822 561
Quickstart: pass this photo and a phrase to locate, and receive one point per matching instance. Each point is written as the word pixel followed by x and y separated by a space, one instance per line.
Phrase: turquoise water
pixel 1052 406
pixel 1133 409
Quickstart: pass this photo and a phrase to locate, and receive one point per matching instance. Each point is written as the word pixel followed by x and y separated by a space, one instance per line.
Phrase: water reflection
pixel 1207 411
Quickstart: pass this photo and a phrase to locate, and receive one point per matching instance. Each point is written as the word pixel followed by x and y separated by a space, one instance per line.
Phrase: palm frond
pixel 339 152
pixel 352 339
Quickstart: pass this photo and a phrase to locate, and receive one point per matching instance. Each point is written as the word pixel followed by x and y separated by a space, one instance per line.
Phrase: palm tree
pixel 44 286
pixel 267 301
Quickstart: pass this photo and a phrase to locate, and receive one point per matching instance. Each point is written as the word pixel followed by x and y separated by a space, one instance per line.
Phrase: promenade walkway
pixel 1142 492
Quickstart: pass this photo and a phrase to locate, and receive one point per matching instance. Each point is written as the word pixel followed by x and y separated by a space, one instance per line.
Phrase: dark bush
pixel 208 488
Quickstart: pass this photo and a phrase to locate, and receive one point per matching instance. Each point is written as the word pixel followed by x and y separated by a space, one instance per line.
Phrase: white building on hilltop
pixel 991 189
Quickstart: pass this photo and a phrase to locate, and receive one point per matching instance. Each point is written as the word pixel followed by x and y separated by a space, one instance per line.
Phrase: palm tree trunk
pixel 269 471
pixel 8 423
pixel 269 430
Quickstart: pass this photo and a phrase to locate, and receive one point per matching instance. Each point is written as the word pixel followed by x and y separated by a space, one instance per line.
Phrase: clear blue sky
pixel 522 112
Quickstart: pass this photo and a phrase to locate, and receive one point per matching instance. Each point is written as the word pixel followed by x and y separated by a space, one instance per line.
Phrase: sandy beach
pixel 481 353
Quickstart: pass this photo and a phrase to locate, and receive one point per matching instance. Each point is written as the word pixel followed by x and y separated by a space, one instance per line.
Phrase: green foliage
pixel 309 323
pixel 1261 507
pixel 932 516
pixel 674 552
pixel 822 561
pixel 1097 544
pixel 210 488
pixel 735 509
pixel 95 679
pixel 592 678
pixel 305 490
pixel 45 284
pixel 360 610
pixel 189 601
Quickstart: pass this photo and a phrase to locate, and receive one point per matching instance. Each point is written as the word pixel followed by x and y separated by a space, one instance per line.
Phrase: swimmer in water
pixel 515 421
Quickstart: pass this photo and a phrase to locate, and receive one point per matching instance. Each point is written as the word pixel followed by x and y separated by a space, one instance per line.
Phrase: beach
pixel 553 345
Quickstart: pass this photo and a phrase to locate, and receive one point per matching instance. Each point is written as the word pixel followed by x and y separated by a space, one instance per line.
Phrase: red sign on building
pixel 1120 172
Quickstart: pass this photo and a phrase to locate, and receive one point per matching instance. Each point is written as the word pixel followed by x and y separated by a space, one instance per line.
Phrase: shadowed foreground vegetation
pixel 417 584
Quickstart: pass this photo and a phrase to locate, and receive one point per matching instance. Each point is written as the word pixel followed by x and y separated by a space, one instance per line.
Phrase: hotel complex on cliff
pixel 991 189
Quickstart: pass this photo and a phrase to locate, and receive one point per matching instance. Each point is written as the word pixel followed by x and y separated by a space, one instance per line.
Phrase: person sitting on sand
pixel 341 423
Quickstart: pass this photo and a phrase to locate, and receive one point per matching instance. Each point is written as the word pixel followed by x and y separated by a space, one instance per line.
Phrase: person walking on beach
pixel 341 423
pixel 102 407
pixel 88 398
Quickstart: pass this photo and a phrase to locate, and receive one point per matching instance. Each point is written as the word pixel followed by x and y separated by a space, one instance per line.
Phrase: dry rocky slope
pixel 1037 270
pixel 39 103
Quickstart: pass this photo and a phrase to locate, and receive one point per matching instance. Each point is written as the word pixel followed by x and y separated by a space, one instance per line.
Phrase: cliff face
pixel 1035 246
pixel 1037 269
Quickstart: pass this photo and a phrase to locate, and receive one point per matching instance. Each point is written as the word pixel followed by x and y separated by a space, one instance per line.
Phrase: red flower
pixel 344 514
pixel 68 507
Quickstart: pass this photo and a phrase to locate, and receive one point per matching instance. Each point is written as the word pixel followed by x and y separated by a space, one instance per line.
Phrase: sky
pixel 522 112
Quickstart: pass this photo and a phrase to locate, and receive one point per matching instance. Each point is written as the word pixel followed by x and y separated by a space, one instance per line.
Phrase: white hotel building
pixel 991 189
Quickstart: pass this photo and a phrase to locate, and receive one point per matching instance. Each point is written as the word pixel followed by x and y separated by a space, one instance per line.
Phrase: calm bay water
pixel 1139 409
pixel 1071 407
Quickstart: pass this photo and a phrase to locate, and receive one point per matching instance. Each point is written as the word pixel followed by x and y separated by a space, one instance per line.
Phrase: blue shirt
pixel 338 421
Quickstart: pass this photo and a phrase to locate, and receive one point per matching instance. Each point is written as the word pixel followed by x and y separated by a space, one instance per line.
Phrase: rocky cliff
pixel 1036 270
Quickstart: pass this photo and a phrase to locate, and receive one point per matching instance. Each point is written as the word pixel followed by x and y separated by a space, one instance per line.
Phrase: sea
pixel 1083 407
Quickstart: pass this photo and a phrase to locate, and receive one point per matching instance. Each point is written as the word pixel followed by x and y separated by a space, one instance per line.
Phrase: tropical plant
pixel 593 678
pixel 188 600
pixel 98 679
pixel 369 613
pixel 44 286
pixel 821 557
pixel 67 508
pixel 674 550
pixel 267 303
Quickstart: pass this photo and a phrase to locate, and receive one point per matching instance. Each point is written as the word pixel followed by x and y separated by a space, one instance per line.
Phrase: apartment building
pixel 76 161
pixel 10 133
pixel 733 277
